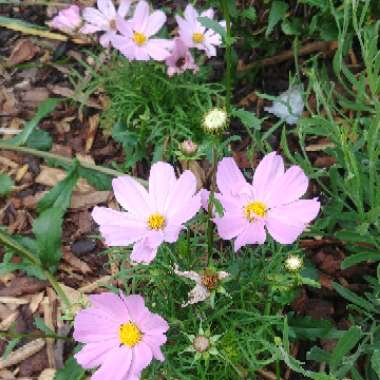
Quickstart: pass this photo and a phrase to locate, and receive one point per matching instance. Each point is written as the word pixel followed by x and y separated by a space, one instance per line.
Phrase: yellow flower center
pixel 198 38
pixel 254 209
pixel 129 334
pixel 139 38
pixel 156 221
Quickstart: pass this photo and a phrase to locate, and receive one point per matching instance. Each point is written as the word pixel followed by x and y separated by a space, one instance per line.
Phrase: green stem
pixel 64 160
pixel 12 335
pixel 23 252
pixel 228 55
pixel 278 370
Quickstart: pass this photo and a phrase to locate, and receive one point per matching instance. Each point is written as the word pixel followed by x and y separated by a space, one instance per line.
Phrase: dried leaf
pixel 22 52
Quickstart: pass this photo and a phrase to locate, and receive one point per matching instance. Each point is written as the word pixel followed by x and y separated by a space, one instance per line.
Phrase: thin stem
pixel 12 335
pixel 228 55
pixel 11 243
pixel 65 160
pixel 278 370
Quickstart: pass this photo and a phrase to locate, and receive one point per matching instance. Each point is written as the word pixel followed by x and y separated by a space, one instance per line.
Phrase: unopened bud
pixel 201 343
pixel 188 147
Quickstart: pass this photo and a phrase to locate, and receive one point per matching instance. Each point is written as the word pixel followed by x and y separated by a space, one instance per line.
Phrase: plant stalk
pixel 65 160
pixel 228 55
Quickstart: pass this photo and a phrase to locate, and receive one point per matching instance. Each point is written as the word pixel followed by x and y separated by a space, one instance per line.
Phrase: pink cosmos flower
pixel 152 217
pixel 103 19
pixel 136 42
pixel 121 336
pixel 180 59
pixel 67 20
pixel 271 202
pixel 195 35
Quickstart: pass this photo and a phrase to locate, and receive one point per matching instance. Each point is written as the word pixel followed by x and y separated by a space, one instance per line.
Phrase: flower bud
pixel 293 263
pixel 215 120
pixel 201 343
pixel 188 147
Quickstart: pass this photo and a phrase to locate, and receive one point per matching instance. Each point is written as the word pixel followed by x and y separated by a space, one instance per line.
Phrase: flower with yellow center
pixel 255 209
pixel 198 38
pixel 156 221
pixel 129 334
pixel 139 38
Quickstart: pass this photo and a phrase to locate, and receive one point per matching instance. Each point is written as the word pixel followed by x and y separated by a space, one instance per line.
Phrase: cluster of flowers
pixel 135 37
pixel 120 334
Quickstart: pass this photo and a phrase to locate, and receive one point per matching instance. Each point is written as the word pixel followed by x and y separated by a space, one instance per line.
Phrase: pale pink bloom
pixel 195 35
pixel 204 283
pixel 152 217
pixel 180 59
pixel 67 20
pixel 136 42
pixel 103 19
pixel 271 202
pixel 121 336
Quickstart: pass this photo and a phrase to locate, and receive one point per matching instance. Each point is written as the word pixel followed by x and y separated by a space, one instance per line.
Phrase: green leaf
pixel 72 370
pixel 358 258
pixel 318 355
pixel 28 28
pixel 99 180
pixel 6 184
pixel 40 140
pixel 41 325
pixel 249 119
pixel 375 362
pixel 277 13
pixel 213 25
pixel 249 14
pixel 44 109
pixel 345 344
pixel 354 298
pixel 308 328
pixel 48 228
pixel 60 195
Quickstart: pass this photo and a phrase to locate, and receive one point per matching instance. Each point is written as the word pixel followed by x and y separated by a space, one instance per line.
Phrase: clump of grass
pixel 151 113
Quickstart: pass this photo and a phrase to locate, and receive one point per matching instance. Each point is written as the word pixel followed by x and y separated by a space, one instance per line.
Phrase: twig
pixel 65 160
pixel 312 47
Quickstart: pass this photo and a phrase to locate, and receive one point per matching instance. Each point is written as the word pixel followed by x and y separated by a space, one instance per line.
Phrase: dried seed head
pixel 188 147
pixel 201 343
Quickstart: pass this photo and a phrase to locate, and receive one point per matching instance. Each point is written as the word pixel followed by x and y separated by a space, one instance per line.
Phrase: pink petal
pixel 106 38
pixel 116 365
pixel 254 233
pixel 191 15
pixel 161 181
pixel 93 16
pixel 118 228
pixel 266 174
pixel 107 8
pixel 143 252
pixel 208 13
pixel 231 225
pixel 185 31
pixel 90 29
pixel 294 181
pixel 124 27
pixel 124 8
pixel 141 17
pixel 93 354
pixel 112 304
pixel 136 308
pixel 153 324
pixel 141 53
pixel 229 177
pixel 172 232
pixel 158 49
pixel 132 196
pixel 286 223
pixel 156 21
pixel 154 342
pixel 141 357
pixel 95 325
